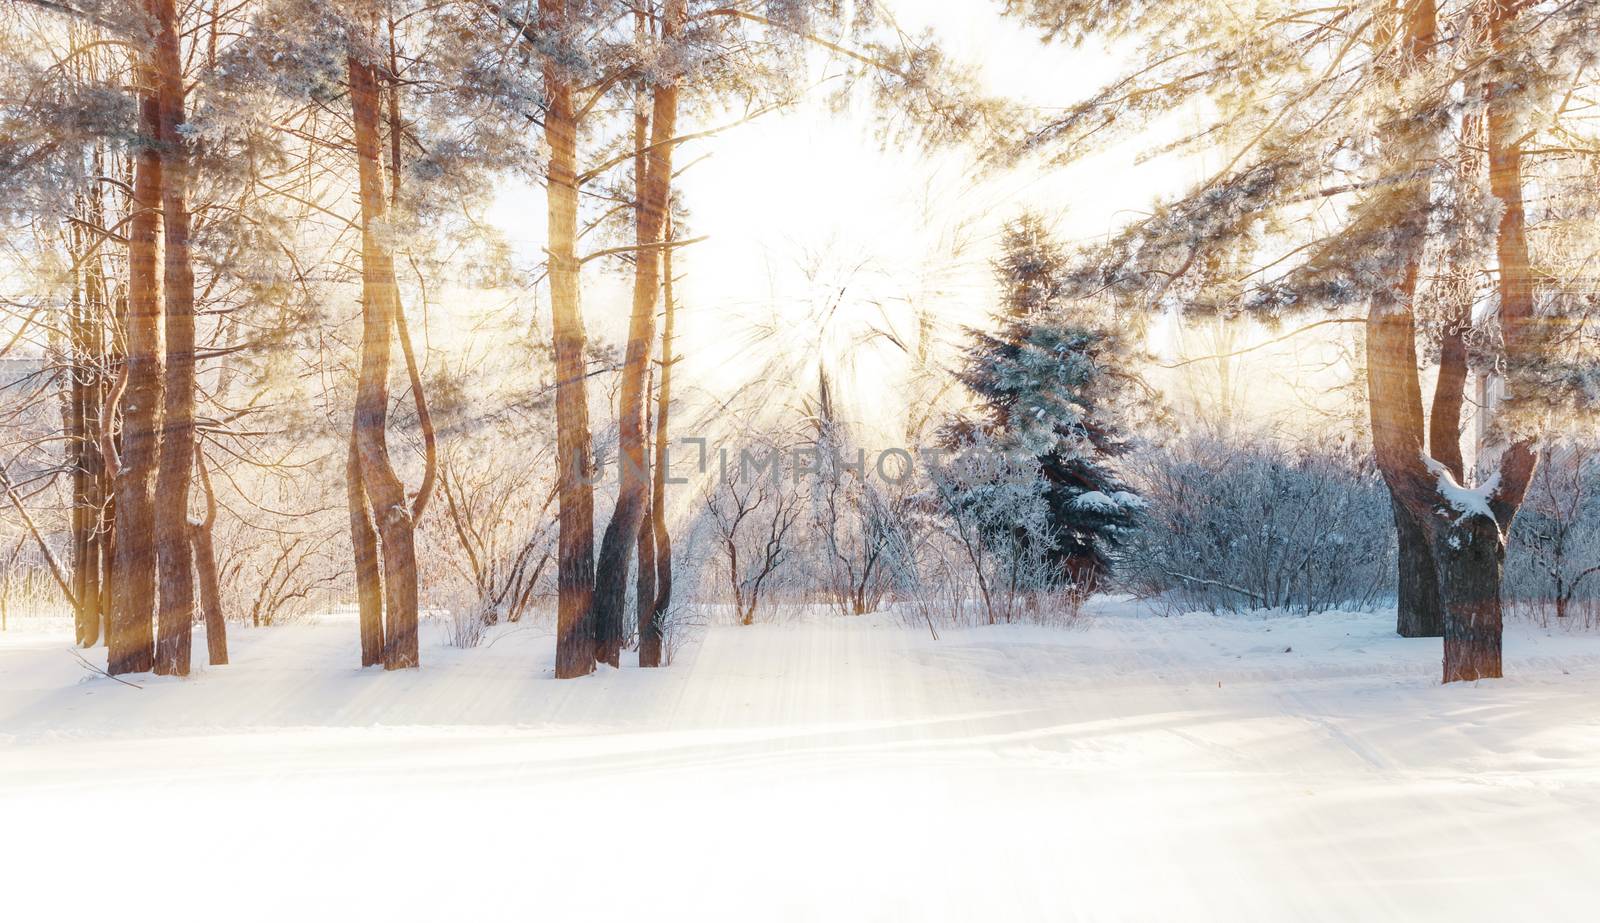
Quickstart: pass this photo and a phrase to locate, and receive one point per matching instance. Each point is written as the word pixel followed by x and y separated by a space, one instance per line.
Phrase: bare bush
pixel 753 513
pixel 1553 562
pixel 1234 525
pixel 495 532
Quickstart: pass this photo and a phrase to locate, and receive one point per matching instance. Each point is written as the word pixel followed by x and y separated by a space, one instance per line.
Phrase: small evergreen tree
pixel 1055 386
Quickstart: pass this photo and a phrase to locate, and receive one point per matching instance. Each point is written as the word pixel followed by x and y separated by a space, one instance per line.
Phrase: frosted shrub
pixel 1252 524
pixel 1553 556
pixel 985 552
pixel 465 618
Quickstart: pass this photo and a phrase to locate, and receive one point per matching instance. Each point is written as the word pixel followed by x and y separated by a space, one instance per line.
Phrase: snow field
pixel 1256 767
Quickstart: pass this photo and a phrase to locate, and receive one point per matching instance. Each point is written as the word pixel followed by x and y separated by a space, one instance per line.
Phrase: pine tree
pixel 1056 385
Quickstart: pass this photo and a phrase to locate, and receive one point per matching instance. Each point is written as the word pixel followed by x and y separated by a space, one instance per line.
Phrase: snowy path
pixel 1139 768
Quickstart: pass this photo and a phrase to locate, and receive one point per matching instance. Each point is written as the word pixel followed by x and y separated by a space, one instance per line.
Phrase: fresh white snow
pixel 1134 767
pixel 1114 502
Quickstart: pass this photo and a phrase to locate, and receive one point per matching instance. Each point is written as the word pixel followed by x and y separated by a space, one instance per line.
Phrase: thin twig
pixel 94 669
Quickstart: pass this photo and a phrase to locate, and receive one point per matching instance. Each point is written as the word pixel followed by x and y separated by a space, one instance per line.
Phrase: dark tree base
pixel 1417 612
pixel 1469 553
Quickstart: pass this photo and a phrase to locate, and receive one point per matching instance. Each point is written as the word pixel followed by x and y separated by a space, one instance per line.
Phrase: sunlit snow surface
pixel 1138 767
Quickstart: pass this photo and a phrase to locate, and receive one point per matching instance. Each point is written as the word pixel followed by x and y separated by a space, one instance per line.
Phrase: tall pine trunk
pixel 654 191
pixel 652 623
pixel 130 641
pixel 645 583
pixel 575 575
pixel 380 300
pixel 174 554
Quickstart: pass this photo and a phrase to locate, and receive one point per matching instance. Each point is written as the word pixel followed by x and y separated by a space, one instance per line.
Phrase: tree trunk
pixel 1470 552
pixel 1468 544
pixel 369 580
pixel 88 476
pixel 575 580
pixel 1417 603
pixel 205 565
pixel 1394 389
pixel 130 643
pixel 645 584
pixel 1450 393
pixel 652 628
pixel 379 302
pixel 174 554
pixel 654 191
pixel 1472 549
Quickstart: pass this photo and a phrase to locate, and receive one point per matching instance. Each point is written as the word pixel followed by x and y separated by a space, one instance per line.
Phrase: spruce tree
pixel 1056 385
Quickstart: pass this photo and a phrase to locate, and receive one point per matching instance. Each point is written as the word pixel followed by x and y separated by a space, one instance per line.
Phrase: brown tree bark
pixel 1417 611
pixel 380 300
pixel 575 579
pixel 174 552
pixel 430 442
pixel 1394 389
pixel 654 194
pixel 651 628
pixel 369 575
pixel 130 641
pixel 1468 539
pixel 1470 577
pixel 205 566
pixel 1450 391
pixel 644 596
pixel 645 584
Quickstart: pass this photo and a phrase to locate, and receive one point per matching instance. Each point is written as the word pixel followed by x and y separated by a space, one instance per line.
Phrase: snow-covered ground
pixel 1136 767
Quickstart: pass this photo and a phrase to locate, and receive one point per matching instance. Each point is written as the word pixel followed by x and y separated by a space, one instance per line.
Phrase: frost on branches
pixel 1056 391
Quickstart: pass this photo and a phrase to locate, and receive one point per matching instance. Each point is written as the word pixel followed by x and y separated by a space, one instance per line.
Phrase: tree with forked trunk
pixel 654 192
pixel 380 488
pixel 1466 528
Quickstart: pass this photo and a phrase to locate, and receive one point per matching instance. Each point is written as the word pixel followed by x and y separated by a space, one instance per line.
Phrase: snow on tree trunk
pixel 1470 552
